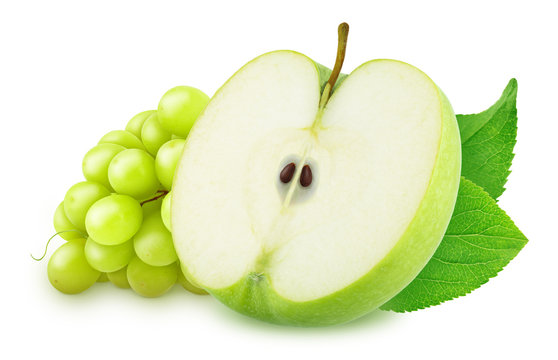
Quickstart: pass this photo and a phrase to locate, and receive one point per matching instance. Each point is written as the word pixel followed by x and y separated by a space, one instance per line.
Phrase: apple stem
pixel 343 31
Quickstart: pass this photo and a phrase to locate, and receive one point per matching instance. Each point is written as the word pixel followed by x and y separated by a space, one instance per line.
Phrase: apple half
pixel 384 157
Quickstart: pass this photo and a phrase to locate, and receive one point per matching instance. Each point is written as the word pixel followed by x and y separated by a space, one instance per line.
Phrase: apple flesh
pixel 384 154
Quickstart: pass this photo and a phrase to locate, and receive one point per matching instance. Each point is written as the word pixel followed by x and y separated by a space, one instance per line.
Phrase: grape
pixel 132 172
pixel 179 109
pixel 153 242
pixel 68 270
pixel 108 258
pixel 151 207
pixel 114 219
pixel 119 278
pixel 135 124
pixel 153 134
pixel 166 161
pixel 103 278
pixel 151 281
pixel 79 199
pixel 188 285
pixel 165 211
pixel 96 162
pixel 122 138
pixel 61 223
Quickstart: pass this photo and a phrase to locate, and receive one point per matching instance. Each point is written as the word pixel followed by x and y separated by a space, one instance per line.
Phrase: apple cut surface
pixel 384 154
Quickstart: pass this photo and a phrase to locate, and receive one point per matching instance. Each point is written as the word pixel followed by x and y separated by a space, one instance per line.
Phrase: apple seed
pixel 306 176
pixel 287 173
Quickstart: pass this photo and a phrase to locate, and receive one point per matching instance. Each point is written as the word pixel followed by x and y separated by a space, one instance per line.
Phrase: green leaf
pixel 480 240
pixel 487 141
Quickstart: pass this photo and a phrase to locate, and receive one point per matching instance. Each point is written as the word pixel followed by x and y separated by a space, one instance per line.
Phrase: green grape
pixel 61 223
pixel 120 278
pixel 180 107
pixel 166 161
pixel 68 270
pixel 96 162
pixel 103 278
pixel 187 285
pixel 79 199
pixel 122 138
pixel 151 281
pixel 165 211
pixel 136 123
pixel 114 219
pixel 132 172
pixel 151 207
pixel 153 134
pixel 174 137
pixel 108 258
pixel 153 242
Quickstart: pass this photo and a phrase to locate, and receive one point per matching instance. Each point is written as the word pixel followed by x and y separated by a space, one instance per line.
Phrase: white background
pixel 70 72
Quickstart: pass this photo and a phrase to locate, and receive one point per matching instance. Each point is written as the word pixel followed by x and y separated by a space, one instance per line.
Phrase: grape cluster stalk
pixel 117 222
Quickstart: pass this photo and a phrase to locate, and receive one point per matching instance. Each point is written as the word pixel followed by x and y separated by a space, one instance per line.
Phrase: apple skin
pixel 255 296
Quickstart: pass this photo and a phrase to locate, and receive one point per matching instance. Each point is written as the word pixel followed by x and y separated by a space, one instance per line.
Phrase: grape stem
pixel 52 237
pixel 161 193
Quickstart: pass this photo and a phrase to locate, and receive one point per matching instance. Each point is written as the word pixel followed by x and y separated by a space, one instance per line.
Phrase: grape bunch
pixel 117 222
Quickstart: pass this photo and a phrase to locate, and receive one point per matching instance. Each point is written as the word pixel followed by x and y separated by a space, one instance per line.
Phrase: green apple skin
pixel 255 296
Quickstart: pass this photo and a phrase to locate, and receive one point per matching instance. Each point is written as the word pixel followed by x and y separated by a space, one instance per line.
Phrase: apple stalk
pixel 343 34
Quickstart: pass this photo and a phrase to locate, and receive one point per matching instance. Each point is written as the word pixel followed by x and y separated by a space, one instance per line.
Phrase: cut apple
pixel 376 172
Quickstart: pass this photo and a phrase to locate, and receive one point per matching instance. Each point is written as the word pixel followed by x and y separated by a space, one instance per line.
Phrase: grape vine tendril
pixel 52 237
